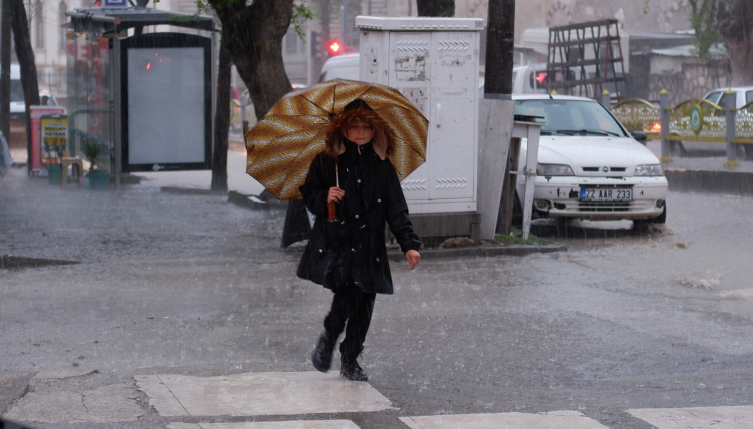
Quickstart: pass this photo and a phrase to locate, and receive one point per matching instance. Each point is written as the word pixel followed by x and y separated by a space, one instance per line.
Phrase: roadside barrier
pixel 637 114
pixel 690 120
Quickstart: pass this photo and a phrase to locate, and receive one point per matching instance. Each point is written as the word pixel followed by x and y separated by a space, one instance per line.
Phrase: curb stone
pixel 483 251
pixel 10 261
pixel 253 202
pixel 396 255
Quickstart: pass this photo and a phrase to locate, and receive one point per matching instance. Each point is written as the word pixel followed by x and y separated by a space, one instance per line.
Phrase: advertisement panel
pixel 54 133
pixel 40 161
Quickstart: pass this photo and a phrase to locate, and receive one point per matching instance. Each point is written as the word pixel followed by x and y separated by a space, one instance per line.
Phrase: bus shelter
pixel 144 98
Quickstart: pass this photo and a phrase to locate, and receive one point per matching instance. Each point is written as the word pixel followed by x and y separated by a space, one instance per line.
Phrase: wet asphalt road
pixel 193 285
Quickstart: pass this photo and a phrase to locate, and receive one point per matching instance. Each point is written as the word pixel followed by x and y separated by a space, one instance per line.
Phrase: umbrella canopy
pixel 282 145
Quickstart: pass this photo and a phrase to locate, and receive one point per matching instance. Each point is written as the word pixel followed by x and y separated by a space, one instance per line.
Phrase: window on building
pixel 38 20
pixel 62 20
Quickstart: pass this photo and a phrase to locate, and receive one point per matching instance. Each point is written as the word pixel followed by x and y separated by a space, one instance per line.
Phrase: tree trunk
pixel 444 8
pixel 737 32
pixel 221 122
pixel 5 71
pixel 25 56
pixel 499 47
pixel 254 38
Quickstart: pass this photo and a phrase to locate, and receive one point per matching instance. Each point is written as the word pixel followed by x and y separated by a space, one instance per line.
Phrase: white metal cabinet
pixel 434 63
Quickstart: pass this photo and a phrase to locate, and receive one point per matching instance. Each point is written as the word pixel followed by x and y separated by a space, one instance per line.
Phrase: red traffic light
pixel 334 47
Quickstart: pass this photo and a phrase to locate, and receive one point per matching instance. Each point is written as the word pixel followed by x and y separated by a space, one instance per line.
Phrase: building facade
pixel 303 61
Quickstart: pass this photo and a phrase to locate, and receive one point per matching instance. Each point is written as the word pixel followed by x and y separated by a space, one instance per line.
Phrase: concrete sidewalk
pixel 706 174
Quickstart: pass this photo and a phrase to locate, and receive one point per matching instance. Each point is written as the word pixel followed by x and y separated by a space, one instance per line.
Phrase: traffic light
pixel 334 47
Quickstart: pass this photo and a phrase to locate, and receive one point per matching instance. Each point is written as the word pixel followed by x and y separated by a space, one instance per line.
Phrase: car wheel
pixel 744 152
pixel 640 225
pixel 676 149
pixel 662 218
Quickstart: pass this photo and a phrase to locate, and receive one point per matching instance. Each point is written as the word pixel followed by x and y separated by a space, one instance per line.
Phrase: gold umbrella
pixel 282 145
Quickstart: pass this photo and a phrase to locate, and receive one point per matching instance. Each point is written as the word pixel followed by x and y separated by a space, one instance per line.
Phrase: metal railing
pixel 690 120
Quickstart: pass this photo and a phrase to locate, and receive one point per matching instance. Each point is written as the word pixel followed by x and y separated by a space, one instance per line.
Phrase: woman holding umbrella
pixel 346 253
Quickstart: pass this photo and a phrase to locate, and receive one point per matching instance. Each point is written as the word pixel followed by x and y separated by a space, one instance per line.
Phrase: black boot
pixel 349 367
pixel 322 356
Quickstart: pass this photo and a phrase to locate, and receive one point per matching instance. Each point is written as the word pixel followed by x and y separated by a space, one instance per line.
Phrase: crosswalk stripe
pixel 259 394
pixel 549 420
pixel 296 424
pixel 725 417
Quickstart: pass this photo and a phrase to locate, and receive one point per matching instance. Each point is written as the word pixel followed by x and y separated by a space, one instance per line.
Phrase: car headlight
pixel 649 170
pixel 554 170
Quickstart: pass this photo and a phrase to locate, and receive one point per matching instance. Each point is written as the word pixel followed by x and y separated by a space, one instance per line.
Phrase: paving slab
pixel 548 420
pixel 258 394
pixel 734 417
pixel 107 404
pixel 295 424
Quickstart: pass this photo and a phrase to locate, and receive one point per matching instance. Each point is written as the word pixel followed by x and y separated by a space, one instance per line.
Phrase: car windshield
pixel 714 97
pixel 571 117
pixel 16 91
pixel 345 72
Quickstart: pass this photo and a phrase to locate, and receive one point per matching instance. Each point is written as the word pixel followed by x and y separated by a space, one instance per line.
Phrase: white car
pixel 743 96
pixel 589 166
pixel 346 66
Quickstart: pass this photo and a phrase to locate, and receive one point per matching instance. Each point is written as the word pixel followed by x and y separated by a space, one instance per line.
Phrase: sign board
pixel 39 160
pixel 54 134
pixel 166 102
pixel 115 3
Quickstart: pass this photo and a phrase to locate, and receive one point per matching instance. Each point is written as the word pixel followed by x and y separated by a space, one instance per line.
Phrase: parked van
pixel 18 108
pixel 529 79
pixel 346 66
pixel 534 78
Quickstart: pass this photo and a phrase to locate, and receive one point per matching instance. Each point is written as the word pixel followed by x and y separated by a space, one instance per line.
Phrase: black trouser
pixel 353 306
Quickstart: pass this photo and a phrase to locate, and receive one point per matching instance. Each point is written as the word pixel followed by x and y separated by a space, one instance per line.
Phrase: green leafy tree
pixel 727 21
pixel 438 8
pixel 735 21
pixel 703 18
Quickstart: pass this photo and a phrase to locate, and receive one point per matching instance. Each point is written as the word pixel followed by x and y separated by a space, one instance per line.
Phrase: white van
pixel 533 79
pixel 17 138
pixel 17 103
pixel 346 66
pixel 17 106
pixel 529 79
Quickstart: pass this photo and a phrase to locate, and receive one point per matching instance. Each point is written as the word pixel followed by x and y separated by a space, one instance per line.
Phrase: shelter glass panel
pixel 88 101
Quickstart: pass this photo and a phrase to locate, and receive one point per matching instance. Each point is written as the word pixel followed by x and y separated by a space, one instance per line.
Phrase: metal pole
pixel 117 110
pixel 605 99
pixel 729 104
pixel 664 116
pixel 532 152
pixel 213 79
pixel 5 71
pixel 343 38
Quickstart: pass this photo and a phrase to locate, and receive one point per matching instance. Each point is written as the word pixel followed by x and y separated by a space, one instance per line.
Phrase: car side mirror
pixel 641 136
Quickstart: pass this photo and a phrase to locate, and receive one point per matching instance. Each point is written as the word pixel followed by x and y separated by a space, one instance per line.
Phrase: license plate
pixel 606 195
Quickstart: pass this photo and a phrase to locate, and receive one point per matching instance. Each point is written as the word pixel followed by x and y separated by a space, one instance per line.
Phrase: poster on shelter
pixel 54 129
pixel 36 134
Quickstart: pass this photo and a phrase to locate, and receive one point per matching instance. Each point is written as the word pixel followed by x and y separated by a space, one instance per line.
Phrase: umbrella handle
pixel 331 215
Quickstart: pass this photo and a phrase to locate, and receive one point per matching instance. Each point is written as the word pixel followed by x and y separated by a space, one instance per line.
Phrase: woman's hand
pixel 413 258
pixel 335 195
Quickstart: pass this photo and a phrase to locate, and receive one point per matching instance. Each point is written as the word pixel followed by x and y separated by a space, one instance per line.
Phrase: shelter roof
pixel 106 20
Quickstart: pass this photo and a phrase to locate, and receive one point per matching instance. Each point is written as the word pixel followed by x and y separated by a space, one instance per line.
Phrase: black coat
pixel 352 251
